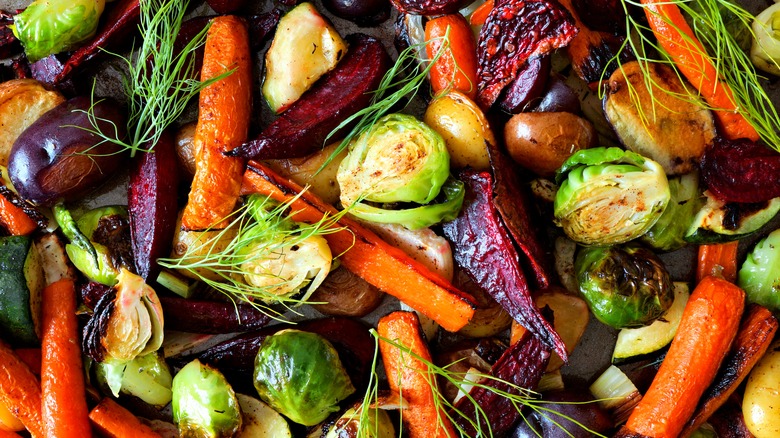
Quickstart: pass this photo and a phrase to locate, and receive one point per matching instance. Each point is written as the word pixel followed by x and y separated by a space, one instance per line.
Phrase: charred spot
pixel 113 232
pixel 97 327
pixel 735 213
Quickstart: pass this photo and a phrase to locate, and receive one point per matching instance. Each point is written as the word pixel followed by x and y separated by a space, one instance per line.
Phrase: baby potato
pixel 761 404
pixel 541 142
pixel 464 128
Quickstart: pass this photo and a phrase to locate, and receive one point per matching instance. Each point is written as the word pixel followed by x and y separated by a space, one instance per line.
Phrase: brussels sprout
pixel 146 377
pixel 416 218
pixel 204 403
pixel 354 423
pixel 399 159
pixel 759 275
pixel 668 233
pixel 53 26
pixel 609 196
pixel 624 286
pixel 765 52
pixel 300 375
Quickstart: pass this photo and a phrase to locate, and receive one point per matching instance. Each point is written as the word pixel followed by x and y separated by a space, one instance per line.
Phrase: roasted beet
pixel 212 317
pixel 302 128
pixel 741 171
pixel 58 157
pixel 361 12
pixel 528 86
pixel 152 205
pixel 514 31
pixel 571 414
pixel 429 7
pixel 262 26
pixel 226 6
pixel 558 97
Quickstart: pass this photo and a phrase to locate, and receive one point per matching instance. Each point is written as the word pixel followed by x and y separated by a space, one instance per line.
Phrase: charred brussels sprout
pixel 301 376
pixel 204 403
pixel 609 196
pixel 759 275
pixel 54 26
pixel 624 286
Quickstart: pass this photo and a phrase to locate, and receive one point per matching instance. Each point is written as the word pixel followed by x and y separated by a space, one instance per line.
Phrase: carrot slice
pixel 62 374
pixel 479 16
pixel 708 326
pixel 20 391
pixel 15 219
pixel 114 421
pixel 364 253
pixel 678 40
pixel 223 124
pixel 719 260
pixel 456 67
pixel 409 376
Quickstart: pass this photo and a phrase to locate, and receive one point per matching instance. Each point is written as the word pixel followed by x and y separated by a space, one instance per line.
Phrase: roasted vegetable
pixel 21 284
pixel 762 399
pixel 668 233
pixel 455 65
pixel 717 221
pixel 300 375
pixel 59 157
pixel 624 286
pixel 260 421
pixel 304 48
pixel 204 404
pixel 567 414
pixel 363 13
pixel 741 170
pixel 765 50
pixel 47 27
pixel 527 87
pixel 344 293
pixel 609 196
pixel 374 423
pixel 428 7
pixel 214 317
pixel 146 377
pixel 759 275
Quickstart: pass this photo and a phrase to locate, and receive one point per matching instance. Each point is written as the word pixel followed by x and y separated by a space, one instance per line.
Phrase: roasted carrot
pixel 719 260
pixel 479 16
pixel 408 376
pixel 456 67
pixel 114 421
pixel 753 339
pixel 678 40
pixel 31 357
pixel 223 124
pixel 64 408
pixel 8 434
pixel 708 326
pixel 516 332
pixel 8 421
pixel 14 219
pixel 20 391
pixel 364 253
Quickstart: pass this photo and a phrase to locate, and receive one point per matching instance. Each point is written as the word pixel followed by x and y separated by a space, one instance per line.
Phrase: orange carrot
pixel 14 219
pixel 223 124
pixel 114 421
pixel 364 253
pixel 20 391
pixel 8 434
pixel 719 260
pixel 409 377
pixel 456 67
pixel 708 326
pixel 479 16
pixel 64 409
pixel 31 357
pixel 516 332
pixel 679 41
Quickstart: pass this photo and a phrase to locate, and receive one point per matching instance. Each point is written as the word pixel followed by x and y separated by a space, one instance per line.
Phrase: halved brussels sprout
pixel 204 403
pixel 667 234
pixel 609 196
pixel 53 26
pixel 399 159
pixel 624 286
pixel 146 377
pixel 301 376
pixel 759 275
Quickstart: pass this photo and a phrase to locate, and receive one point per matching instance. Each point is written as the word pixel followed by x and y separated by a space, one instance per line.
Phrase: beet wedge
pixel 522 365
pixel 211 317
pixel 484 249
pixel 302 129
pixel 152 205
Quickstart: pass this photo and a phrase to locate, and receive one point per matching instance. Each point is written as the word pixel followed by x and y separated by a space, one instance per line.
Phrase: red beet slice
pixel 741 171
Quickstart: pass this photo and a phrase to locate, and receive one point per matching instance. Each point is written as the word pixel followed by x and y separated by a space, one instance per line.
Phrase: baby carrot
pixel 456 67
pixel 114 421
pixel 719 260
pixel 20 391
pixel 14 219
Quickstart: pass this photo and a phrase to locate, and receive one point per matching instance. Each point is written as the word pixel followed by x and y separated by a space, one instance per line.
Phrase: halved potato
pixel 670 126
pixel 22 101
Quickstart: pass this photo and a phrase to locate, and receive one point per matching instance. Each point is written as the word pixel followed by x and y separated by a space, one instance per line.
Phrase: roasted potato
pixel 671 130
pixel 22 101
pixel 761 405
pixel 541 142
pixel 344 293
pixel 185 147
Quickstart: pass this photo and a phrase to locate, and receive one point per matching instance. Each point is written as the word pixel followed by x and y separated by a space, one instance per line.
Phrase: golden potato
pixel 761 405
pixel 541 142
pixel 185 147
pixel 304 171
pixel 22 101
pixel 464 128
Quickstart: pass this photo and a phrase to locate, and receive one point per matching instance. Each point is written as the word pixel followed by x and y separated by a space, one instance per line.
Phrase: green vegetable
pixel 398 159
pixel 375 423
pixel 765 52
pixel 146 377
pixel 415 218
pixel 667 234
pixel 609 196
pixel 21 284
pixel 759 275
pixel 624 286
pixel 299 374
pixel 71 230
pixel 718 222
pixel 204 403
pixel 53 26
